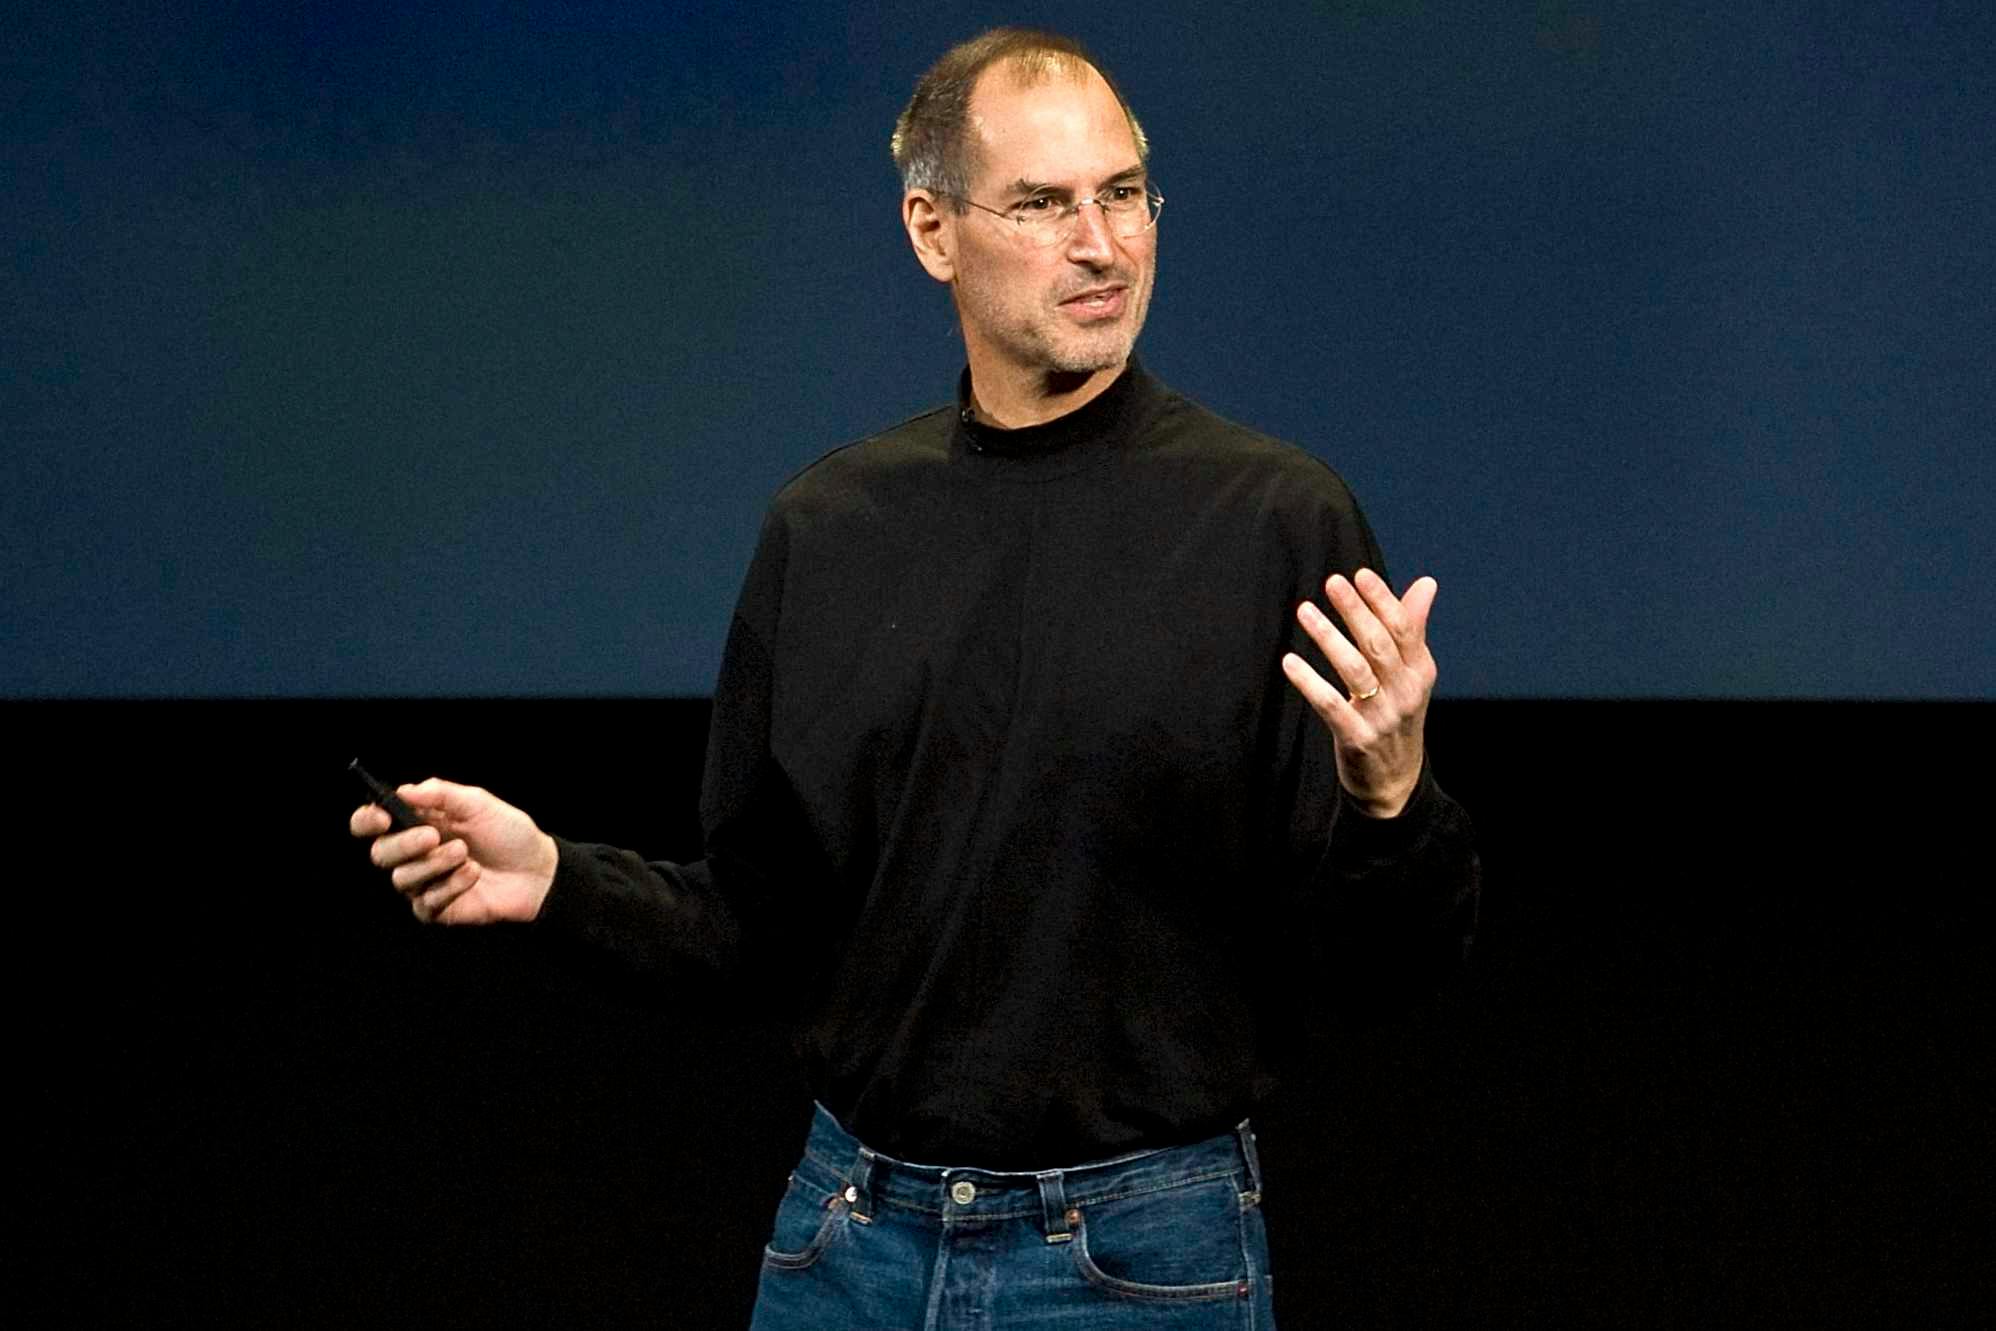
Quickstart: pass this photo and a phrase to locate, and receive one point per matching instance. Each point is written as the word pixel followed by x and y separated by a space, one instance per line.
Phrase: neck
pixel 1012 402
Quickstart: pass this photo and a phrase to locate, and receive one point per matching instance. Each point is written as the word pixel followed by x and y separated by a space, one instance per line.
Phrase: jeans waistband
pixel 870 1180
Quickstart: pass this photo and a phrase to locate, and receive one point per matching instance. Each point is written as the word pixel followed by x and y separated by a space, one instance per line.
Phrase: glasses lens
pixel 1047 228
pixel 1133 216
pixel 1126 217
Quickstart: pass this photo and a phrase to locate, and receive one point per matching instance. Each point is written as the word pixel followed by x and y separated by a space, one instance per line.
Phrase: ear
pixel 932 232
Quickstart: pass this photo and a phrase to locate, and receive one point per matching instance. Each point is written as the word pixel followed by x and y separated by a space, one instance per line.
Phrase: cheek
pixel 1006 288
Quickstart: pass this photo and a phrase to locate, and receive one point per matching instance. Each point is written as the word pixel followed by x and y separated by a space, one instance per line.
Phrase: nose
pixel 1091 241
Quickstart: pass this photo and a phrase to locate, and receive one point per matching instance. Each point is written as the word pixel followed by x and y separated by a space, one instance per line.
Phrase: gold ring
pixel 1372 692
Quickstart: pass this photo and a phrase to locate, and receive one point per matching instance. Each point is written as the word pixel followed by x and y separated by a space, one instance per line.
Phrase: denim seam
pixel 826 1235
pixel 839 1172
pixel 1204 1291
pixel 1096 1199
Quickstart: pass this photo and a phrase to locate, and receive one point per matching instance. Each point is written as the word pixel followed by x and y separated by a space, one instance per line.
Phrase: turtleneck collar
pixel 1081 438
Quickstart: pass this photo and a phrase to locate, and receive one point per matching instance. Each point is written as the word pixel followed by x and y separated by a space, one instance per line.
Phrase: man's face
pixel 1074 307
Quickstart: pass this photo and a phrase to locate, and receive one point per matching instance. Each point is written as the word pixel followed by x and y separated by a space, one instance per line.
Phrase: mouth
pixel 1104 302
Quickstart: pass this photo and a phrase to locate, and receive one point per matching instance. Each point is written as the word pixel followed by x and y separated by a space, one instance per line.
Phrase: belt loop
pixel 1053 1207
pixel 860 1196
pixel 1245 1132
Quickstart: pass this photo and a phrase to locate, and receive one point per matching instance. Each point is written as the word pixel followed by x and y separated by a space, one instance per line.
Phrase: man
pixel 1021 781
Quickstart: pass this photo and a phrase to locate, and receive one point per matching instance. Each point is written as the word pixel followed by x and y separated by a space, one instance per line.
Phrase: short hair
pixel 932 145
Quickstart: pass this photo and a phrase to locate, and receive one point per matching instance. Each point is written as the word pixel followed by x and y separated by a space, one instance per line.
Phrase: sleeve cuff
pixel 1383 838
pixel 566 904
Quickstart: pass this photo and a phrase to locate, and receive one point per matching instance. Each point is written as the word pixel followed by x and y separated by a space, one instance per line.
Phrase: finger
pixel 1405 618
pixel 1351 667
pixel 1368 634
pixel 1418 602
pixel 398 848
pixel 1348 725
pixel 369 820
pixel 418 874
pixel 430 904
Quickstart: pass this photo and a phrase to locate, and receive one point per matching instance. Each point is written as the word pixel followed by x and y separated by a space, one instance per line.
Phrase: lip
pixel 1112 299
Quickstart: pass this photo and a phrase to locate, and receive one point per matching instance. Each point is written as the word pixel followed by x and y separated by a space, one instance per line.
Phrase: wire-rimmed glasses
pixel 1130 210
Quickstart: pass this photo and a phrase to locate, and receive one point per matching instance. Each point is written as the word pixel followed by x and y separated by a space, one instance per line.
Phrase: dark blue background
pixel 454 349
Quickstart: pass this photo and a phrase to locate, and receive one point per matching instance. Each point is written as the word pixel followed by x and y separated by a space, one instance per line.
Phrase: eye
pixel 1039 203
pixel 1124 193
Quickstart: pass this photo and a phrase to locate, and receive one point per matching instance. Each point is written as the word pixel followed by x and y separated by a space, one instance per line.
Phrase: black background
pixel 1720 1053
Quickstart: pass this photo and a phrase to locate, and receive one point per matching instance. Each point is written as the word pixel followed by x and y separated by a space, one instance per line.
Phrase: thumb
pixel 450 799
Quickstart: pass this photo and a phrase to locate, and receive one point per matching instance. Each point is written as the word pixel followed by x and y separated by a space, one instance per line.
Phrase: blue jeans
pixel 1159 1239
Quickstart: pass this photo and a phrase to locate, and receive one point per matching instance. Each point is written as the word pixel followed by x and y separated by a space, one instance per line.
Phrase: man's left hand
pixel 1378 726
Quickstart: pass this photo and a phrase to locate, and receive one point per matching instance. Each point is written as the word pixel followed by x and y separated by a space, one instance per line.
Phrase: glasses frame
pixel 1070 215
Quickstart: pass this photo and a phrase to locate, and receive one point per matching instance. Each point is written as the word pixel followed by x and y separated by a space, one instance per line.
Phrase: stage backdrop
pixel 455 348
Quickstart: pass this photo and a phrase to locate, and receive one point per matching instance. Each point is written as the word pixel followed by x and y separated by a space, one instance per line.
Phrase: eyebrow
pixel 1023 187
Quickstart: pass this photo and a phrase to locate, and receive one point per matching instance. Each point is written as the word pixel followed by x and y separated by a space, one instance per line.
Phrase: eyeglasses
pixel 1130 210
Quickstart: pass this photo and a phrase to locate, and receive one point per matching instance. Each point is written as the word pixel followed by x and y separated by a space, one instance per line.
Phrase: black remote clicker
pixel 404 817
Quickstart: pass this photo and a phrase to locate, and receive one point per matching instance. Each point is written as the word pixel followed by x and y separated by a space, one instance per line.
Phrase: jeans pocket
pixel 1182 1243
pixel 810 1217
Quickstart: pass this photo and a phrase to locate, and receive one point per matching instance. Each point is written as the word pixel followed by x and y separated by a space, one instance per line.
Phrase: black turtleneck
pixel 1094 425
pixel 1007 795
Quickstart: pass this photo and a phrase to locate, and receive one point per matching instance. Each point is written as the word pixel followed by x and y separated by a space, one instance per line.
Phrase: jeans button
pixel 963 1192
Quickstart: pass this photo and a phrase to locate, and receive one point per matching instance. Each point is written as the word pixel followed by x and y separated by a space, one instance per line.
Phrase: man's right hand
pixel 479 860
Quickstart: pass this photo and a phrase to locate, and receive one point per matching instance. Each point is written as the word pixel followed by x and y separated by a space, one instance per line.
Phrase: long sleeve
pixel 1009 802
pixel 1396 902
pixel 1387 906
pixel 745 905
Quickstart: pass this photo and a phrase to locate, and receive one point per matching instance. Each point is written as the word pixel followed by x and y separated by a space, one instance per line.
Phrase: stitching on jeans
pixel 1080 1199
pixel 1092 1199
pixel 1205 1291
pixel 829 1168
